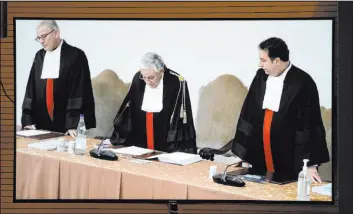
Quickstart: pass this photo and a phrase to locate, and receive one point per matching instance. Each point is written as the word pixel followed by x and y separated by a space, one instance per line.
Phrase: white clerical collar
pixel 274 88
pixel 51 64
pixel 283 74
pixel 153 98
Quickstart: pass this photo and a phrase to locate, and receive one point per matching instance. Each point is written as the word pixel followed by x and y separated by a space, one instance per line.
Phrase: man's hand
pixel 207 153
pixel 314 175
pixel 72 133
pixel 107 142
pixel 32 127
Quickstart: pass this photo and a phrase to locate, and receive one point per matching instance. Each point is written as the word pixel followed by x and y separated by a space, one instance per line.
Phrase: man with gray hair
pixel 156 113
pixel 59 87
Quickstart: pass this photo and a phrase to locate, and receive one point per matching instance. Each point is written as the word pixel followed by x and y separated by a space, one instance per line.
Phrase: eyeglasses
pixel 43 36
pixel 149 78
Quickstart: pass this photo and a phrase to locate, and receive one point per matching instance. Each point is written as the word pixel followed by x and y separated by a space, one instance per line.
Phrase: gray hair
pixel 152 60
pixel 50 24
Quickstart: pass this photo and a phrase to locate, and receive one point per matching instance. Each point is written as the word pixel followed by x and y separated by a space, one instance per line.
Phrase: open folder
pixel 130 150
pixel 39 134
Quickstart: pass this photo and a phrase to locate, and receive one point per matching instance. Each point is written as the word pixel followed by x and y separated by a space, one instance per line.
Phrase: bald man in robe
pixel 59 87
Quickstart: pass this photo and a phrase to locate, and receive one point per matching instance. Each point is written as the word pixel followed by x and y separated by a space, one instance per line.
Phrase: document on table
pixel 140 161
pixel 47 145
pixel 325 189
pixel 30 133
pixel 39 134
pixel 179 158
pixel 132 150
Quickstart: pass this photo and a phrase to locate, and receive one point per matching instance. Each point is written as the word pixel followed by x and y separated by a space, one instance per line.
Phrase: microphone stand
pixel 106 154
pixel 225 172
pixel 232 180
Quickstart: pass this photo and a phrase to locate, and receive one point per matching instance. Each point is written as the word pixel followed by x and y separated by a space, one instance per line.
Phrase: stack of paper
pixel 132 150
pixel 30 133
pixel 179 158
pixel 323 189
pixel 45 145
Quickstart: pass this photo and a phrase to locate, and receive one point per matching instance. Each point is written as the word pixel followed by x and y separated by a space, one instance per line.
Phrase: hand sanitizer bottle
pixel 304 183
pixel 80 147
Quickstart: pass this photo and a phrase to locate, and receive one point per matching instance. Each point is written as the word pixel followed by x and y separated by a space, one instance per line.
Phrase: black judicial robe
pixel 297 130
pixel 73 94
pixel 170 133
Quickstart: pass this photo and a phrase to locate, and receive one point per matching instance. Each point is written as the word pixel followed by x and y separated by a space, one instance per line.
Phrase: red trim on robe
pixel 149 130
pixel 267 140
pixel 50 97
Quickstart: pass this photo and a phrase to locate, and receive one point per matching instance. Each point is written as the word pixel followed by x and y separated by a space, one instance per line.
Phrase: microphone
pixel 231 180
pixel 106 154
pixel 172 207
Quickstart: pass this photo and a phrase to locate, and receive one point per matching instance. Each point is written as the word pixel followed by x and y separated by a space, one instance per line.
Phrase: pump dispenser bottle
pixel 304 183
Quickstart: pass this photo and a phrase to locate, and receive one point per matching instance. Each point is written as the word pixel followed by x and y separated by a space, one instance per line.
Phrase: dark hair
pixel 275 47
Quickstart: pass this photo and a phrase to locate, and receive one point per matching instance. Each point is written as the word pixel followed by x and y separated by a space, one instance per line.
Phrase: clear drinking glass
pixel 61 147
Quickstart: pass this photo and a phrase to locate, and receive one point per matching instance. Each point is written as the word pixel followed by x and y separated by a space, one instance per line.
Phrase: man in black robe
pixel 59 87
pixel 156 113
pixel 280 123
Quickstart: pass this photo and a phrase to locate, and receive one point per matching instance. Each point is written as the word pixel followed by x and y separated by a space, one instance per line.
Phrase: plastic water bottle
pixel 80 147
pixel 304 183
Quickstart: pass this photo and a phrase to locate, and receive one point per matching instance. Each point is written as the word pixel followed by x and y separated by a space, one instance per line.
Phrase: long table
pixel 61 175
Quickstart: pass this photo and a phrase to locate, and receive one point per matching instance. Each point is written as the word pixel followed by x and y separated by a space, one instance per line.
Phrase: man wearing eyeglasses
pixel 156 113
pixel 59 87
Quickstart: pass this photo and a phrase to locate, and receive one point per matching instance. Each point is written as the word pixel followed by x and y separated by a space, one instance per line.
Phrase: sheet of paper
pixel 179 158
pixel 325 189
pixel 153 157
pixel 46 144
pixel 140 161
pixel 30 133
pixel 132 150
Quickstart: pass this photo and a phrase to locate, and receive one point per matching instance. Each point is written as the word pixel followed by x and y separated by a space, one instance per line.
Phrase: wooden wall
pixel 131 10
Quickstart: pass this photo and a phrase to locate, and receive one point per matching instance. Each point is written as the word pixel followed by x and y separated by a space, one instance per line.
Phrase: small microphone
pixel 172 207
pixel 231 180
pixel 106 154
